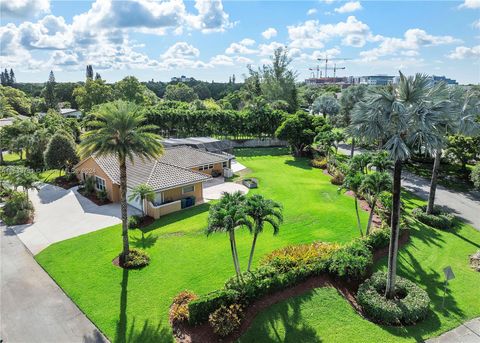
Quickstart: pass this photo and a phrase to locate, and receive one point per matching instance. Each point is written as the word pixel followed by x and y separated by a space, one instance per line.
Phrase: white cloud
pixel 269 33
pixel 247 42
pixel 463 52
pixel 24 8
pixel 312 11
pixel 222 60
pixel 268 49
pixel 476 24
pixel 315 55
pixel 211 16
pixel 181 50
pixel 348 7
pixel 238 48
pixel 243 60
pixel 473 4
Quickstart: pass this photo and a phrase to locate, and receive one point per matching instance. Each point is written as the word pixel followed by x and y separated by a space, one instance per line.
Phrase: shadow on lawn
pixel 299 162
pixel 145 332
pixel 145 241
pixel 288 315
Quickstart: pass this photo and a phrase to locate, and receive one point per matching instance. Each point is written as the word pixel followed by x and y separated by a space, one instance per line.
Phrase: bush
pixel 351 261
pixel 438 219
pixel 134 221
pixel 225 320
pixel 136 258
pixel 102 196
pixel 378 238
pixel 475 176
pixel 200 309
pixel 18 209
pixel 410 305
pixel 337 179
pixel 319 163
pixel 179 308
pixel 89 185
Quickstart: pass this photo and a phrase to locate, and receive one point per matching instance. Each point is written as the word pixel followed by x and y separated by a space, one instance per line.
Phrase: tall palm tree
pixel 262 211
pixel 142 192
pixel 374 184
pixel 326 104
pixel 353 182
pixel 396 115
pixel 226 216
pixel 119 129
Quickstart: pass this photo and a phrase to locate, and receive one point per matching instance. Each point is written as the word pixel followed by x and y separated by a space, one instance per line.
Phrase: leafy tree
pixel 60 152
pixel 396 115
pixel 353 182
pixel 180 92
pixel 18 100
pixel 226 216
pixel 349 98
pixel 94 92
pixel 262 211
pixel 202 90
pixel 64 92
pixel 130 89
pixel 327 105
pixel 26 178
pixel 39 141
pixel 6 110
pixel 142 192
pixel 462 149
pixel 381 161
pixel 13 80
pixel 49 92
pixel 119 130
pixel 373 185
pixel 361 162
pixel 98 76
pixel 475 175
pixel 298 130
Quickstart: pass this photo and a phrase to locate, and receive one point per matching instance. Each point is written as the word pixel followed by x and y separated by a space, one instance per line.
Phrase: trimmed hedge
pixel 410 306
pixel 200 309
pixel 351 261
pixel 438 219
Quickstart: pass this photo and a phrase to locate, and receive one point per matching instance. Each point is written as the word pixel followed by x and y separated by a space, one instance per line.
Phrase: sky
pixel 213 39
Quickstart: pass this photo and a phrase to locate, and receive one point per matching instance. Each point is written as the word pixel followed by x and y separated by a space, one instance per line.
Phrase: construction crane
pixel 317 69
pixel 326 59
pixel 335 68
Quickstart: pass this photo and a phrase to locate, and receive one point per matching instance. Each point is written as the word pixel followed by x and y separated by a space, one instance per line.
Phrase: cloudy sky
pixel 211 39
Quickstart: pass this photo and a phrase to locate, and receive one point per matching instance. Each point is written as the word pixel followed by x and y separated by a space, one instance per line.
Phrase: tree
pixel 180 92
pixel 89 72
pixel 94 92
pixel 462 149
pixel 395 115
pixel 381 161
pixel 49 92
pixel 298 130
pixel 326 104
pixel 18 100
pixel 12 78
pixel 226 216
pixel 373 185
pixel 25 178
pixel 475 176
pixel 349 98
pixel 262 211
pixel 6 110
pixel 130 89
pixel 142 192
pixel 119 130
pixel 60 153
pixel 353 182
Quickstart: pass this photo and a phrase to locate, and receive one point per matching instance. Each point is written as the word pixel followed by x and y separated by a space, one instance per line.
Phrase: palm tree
pixel 381 161
pixel 326 104
pixel 353 182
pixel 374 184
pixel 396 115
pixel 226 216
pixel 142 192
pixel 262 211
pixel 118 129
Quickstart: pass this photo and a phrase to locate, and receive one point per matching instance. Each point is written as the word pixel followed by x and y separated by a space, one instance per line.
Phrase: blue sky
pixel 211 39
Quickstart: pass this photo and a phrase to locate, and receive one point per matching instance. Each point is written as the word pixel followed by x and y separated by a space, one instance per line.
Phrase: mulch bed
pixel 65 183
pixel 145 221
pixel 185 333
pixel 93 198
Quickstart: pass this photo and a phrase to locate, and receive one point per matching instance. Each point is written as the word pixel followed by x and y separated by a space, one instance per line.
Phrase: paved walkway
pixel 61 214
pixel 468 332
pixel 32 307
pixel 463 204
pixel 213 189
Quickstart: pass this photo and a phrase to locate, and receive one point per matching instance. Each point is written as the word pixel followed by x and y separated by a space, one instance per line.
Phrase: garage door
pixel 134 202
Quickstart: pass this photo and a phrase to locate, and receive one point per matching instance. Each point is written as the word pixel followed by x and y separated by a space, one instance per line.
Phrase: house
pixel 10 120
pixel 203 143
pixel 176 177
pixel 71 112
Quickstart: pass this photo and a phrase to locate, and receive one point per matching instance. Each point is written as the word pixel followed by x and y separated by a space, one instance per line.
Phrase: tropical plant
pixel 353 182
pixel 262 211
pixel 350 96
pixel 373 185
pixel 298 130
pixel 326 104
pixel 475 176
pixel 226 216
pixel 60 152
pixel 361 162
pixel 381 160
pixel 119 130
pixel 142 192
pixel 399 116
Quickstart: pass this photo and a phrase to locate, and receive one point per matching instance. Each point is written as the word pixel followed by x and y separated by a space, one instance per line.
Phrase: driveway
pixel 32 307
pixel 61 214
pixel 213 189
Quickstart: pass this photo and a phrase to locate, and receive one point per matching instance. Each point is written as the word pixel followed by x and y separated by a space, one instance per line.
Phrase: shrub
pixel 201 308
pixel 438 219
pixel 410 305
pixel 319 163
pixel 225 320
pixel 352 260
pixel 179 308
pixel 18 209
pixel 337 179
pixel 475 175
pixel 378 238
pixel 133 221
pixel 102 196
pixel 136 258
pixel 89 185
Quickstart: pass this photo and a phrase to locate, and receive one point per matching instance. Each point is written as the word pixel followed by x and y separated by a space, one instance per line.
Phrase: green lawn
pixel 124 303
pixel 48 175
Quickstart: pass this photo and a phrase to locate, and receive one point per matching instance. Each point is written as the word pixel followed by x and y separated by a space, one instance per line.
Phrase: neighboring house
pixel 177 177
pixel 71 112
pixel 203 143
pixel 10 120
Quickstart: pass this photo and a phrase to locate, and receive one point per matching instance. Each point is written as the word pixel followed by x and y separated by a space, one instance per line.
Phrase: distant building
pixel 10 120
pixel 71 112
pixel 436 79
pixel 375 80
pixel 182 78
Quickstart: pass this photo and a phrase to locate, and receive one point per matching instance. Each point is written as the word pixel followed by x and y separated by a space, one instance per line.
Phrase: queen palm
pixel 262 211
pixel 142 192
pixel 353 182
pixel 226 216
pixel 119 129
pixel 374 184
pixel 399 116
pixel 381 161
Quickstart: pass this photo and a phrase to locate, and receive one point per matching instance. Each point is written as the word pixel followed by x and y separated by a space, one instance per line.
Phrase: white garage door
pixel 134 202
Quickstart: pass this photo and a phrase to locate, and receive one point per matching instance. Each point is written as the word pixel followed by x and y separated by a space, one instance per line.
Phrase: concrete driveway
pixel 32 307
pixel 61 214
pixel 213 189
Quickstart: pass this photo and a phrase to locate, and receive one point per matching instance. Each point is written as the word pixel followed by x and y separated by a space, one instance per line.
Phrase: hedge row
pixel 438 219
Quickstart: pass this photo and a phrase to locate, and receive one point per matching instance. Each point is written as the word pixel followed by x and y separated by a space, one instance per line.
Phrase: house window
pixel 99 183
pixel 210 166
pixel 188 189
pixel 224 164
pixel 200 168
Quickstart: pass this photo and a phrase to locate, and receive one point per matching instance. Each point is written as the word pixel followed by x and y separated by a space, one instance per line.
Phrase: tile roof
pixel 187 157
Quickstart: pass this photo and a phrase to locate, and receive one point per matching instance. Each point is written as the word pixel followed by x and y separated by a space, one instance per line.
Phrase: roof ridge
pixel 205 151
pixel 187 169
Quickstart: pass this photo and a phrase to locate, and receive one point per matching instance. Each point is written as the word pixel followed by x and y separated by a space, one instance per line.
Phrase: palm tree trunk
pixel 123 206
pixel 358 215
pixel 255 235
pixel 352 149
pixel 370 217
pixel 234 253
pixel 395 229
pixel 433 183
pixel 233 257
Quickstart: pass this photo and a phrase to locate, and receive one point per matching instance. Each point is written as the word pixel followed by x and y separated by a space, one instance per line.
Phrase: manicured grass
pixel 48 175
pixel 322 315
pixel 123 303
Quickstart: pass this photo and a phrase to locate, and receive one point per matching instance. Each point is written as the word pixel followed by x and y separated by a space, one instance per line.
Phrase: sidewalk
pixel 468 332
